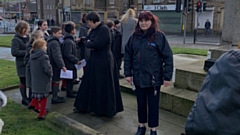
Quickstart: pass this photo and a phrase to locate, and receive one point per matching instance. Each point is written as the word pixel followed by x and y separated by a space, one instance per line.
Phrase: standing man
pixel 69 52
pixel 56 60
pixel 207 27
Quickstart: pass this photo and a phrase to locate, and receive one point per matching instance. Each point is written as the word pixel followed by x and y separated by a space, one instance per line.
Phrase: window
pixel 111 2
pixel 171 1
pixel 156 1
pixel 87 2
pixel 140 1
pixel 73 2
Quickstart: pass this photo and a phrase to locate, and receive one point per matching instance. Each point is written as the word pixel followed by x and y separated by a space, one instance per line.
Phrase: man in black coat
pixel 56 60
pixel 69 52
pixel 207 27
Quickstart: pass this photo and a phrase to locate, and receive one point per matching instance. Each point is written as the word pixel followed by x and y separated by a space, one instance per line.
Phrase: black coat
pixel 117 44
pixel 83 52
pixel 55 55
pixel 69 53
pixel 99 90
pixel 148 61
pixel 216 109
pixel 18 50
pixel 41 71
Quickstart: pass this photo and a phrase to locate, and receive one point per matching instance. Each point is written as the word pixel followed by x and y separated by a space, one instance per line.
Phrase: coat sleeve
pixel 67 52
pixel 15 49
pixel 57 56
pixel 101 39
pixel 27 55
pixel 128 58
pixel 167 58
pixel 81 33
pixel 47 66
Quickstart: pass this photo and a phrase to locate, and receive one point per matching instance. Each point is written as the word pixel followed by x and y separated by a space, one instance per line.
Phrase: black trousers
pixel 119 63
pixel 148 105
pixel 22 80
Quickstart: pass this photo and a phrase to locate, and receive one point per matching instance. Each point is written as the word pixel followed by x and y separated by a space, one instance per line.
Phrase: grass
pixel 20 121
pixel 5 41
pixel 193 51
pixel 8 74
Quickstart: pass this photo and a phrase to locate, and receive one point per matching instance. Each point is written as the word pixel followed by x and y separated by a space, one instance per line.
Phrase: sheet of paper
pixel 83 63
pixel 66 75
pixel 133 86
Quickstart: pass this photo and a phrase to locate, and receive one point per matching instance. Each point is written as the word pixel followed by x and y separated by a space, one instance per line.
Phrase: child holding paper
pixel 41 74
pixel 56 60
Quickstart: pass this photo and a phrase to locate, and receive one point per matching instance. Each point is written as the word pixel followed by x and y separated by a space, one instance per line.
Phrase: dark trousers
pixel 148 105
pixel 69 85
pixel 22 80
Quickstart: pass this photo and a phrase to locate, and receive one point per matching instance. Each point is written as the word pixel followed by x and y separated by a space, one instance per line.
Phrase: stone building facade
pixel 47 9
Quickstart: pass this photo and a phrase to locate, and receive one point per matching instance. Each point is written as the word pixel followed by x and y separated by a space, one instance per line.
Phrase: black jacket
pixel 117 44
pixel 55 56
pixel 216 109
pixel 69 53
pixel 83 52
pixel 147 61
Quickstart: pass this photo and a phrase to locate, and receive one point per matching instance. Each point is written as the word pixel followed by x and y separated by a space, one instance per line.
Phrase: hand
pixel 129 79
pixel 64 69
pixel 166 83
pixel 78 39
pixel 88 40
pixel 79 62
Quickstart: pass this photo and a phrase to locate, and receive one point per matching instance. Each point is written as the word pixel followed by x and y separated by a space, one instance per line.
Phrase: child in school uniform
pixel 41 74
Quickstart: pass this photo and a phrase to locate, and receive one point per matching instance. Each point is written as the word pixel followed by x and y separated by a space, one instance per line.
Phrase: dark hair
pixel 68 28
pixel 132 7
pixel 110 24
pixel 84 18
pixel 55 29
pixel 116 22
pixel 93 16
pixel 39 23
pixel 147 15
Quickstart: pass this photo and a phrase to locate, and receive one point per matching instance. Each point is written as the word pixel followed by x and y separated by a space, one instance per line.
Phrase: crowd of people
pixel 148 64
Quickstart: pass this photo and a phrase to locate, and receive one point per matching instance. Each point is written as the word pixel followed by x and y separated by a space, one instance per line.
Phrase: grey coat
pixel 55 56
pixel 41 71
pixel 18 50
pixel 127 30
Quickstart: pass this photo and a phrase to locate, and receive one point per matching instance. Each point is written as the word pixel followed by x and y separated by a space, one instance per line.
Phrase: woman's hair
pixel 93 16
pixel 38 44
pixel 130 13
pixel 35 34
pixel 84 18
pixel 147 15
pixel 21 28
pixel 40 22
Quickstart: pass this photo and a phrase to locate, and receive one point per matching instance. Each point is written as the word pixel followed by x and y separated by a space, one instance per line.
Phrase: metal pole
pixel 185 20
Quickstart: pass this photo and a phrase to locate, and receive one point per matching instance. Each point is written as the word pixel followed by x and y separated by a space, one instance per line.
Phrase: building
pixel 48 10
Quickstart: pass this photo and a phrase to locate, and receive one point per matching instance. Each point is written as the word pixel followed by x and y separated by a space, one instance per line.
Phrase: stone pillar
pixel 231 27
pixel 236 24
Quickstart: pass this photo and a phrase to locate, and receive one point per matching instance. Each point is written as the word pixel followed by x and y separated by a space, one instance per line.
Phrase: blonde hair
pixel 21 28
pixel 72 23
pixel 38 44
pixel 35 34
pixel 130 13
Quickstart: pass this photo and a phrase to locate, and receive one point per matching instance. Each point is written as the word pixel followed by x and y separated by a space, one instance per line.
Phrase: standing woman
pixel 43 26
pixel 99 91
pixel 148 63
pixel 18 50
pixel 128 23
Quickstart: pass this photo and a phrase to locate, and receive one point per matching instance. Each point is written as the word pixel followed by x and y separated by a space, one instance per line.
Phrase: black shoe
pixel 153 132
pixel 71 95
pixel 41 118
pixel 59 100
pixel 75 110
pixel 37 111
pixel 76 81
pixel 141 130
pixel 63 88
pixel 30 107
pixel 121 76
pixel 25 102
pixel 50 92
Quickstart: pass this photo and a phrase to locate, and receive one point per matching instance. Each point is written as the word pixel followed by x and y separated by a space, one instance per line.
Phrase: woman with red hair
pixel 148 64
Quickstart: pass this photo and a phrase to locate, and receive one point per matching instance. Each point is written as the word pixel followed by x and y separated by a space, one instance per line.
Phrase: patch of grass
pixel 193 51
pixel 5 41
pixel 20 121
pixel 8 74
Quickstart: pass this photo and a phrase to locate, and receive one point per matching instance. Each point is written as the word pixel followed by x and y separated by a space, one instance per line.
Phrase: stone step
pixel 175 100
pixel 190 76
